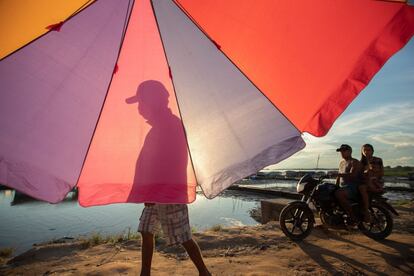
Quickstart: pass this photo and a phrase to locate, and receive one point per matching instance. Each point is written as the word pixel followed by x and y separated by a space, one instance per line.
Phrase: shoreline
pixel 391 179
pixel 257 250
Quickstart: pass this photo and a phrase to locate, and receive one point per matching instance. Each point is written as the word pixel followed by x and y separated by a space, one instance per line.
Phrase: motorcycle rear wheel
pixel 381 223
pixel 296 221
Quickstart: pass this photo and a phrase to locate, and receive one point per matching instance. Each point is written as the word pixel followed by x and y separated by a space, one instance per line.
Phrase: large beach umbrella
pixel 140 101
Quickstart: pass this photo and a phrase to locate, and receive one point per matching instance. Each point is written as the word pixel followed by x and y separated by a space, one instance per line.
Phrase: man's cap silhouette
pixel 152 88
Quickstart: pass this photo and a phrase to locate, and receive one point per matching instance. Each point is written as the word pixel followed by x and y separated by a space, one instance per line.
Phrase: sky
pixel 382 115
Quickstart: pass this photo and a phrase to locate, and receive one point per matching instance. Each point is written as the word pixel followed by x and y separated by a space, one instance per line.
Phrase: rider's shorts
pixel 352 191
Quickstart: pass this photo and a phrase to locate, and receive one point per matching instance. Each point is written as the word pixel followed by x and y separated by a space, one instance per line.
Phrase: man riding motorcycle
pixel 349 179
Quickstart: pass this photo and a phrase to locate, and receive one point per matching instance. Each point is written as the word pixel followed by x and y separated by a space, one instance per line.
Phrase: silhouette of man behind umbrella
pixel 161 173
pixel 161 167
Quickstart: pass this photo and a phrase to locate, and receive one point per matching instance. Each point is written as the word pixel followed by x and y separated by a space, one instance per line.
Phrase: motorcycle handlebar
pixel 322 177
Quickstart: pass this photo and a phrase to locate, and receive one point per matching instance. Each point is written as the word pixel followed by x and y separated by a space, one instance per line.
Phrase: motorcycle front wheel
pixel 381 223
pixel 296 221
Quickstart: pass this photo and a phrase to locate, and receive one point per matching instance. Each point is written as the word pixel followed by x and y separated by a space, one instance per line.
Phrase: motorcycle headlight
pixel 300 187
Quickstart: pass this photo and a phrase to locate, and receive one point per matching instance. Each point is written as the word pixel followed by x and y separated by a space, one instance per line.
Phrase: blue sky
pixel 382 115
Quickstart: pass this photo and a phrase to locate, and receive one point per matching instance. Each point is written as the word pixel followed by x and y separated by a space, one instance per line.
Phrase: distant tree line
pixel 398 171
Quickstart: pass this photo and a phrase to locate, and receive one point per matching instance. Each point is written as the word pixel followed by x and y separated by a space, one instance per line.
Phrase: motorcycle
pixel 297 219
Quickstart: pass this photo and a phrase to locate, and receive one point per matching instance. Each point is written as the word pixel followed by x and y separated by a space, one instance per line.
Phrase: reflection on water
pixel 20 198
pixel 24 221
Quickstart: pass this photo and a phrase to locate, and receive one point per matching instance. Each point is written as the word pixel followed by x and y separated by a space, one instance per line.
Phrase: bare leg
pixel 195 254
pixel 365 201
pixel 146 253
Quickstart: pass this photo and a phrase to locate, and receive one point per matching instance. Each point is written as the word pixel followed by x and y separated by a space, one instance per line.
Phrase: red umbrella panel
pixel 141 101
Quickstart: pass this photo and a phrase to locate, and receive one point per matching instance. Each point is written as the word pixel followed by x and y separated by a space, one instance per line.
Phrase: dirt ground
pixel 259 250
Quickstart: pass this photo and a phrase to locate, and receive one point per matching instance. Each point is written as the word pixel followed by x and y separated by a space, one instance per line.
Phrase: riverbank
pixel 258 250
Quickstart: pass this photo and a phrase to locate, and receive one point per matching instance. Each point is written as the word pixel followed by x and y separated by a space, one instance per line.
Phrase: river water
pixel 23 223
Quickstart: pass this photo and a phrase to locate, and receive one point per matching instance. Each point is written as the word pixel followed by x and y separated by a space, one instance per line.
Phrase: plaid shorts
pixel 173 219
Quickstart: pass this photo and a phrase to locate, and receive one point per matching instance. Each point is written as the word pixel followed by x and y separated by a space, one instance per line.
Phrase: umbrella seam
pixel 219 48
pixel 128 17
pixel 175 93
pixel 79 10
pixel 364 80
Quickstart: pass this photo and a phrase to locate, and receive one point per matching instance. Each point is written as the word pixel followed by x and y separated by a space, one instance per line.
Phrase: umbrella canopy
pixel 140 101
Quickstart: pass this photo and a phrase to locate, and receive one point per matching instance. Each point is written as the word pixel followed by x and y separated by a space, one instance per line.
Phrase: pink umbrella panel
pixel 141 101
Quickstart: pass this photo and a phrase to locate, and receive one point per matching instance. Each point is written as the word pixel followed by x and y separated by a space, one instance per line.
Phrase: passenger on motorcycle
pixel 373 169
pixel 372 177
pixel 348 179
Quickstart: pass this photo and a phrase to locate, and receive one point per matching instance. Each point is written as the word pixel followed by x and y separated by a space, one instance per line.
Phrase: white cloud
pixel 396 139
pixel 401 161
pixel 392 116
pixel 385 126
